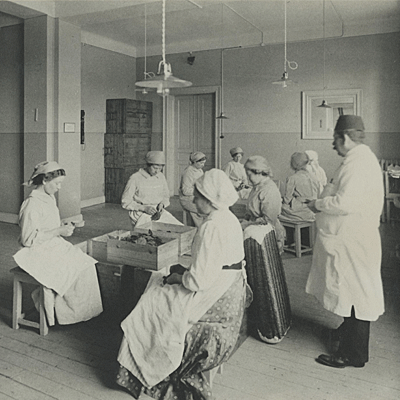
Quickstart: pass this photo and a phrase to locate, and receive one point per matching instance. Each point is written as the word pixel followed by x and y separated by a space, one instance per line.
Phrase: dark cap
pixel 346 122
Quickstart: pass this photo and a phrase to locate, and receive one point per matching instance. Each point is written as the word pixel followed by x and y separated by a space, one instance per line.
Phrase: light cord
pixel 291 64
pixel 285 27
pixel 145 41
pixel 323 27
pixel 163 32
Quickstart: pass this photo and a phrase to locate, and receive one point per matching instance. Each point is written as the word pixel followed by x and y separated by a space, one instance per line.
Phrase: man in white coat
pixel 345 274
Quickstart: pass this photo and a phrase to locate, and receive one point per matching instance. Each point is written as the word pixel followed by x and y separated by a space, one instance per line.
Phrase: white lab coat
pixel 346 265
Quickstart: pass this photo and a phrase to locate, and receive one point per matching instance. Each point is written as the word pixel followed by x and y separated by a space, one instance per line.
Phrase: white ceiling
pixel 193 25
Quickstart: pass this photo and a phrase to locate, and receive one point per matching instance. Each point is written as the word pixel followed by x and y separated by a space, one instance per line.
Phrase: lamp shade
pixel 222 116
pixel 324 104
pixel 163 81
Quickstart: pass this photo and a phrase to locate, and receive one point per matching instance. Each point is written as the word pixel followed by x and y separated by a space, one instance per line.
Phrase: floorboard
pixel 79 361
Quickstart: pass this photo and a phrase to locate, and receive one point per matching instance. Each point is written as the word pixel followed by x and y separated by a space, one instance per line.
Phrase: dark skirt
pixel 269 313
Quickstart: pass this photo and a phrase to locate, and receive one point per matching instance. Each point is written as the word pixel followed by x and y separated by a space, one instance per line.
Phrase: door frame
pixel 169 127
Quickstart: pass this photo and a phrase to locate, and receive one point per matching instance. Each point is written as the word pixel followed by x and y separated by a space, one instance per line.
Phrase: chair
pixel 18 317
pixel 392 193
pixel 300 248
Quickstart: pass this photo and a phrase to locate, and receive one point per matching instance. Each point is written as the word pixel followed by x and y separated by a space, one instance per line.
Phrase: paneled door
pixel 194 131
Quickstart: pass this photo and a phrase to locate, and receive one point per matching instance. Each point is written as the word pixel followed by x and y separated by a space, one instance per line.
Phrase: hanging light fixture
pixel 324 104
pixel 284 81
pixel 164 80
pixel 222 115
pixel 145 73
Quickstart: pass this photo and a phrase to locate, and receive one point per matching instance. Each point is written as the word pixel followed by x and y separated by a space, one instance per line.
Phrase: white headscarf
pixel 314 168
pixel 43 167
pixel 217 187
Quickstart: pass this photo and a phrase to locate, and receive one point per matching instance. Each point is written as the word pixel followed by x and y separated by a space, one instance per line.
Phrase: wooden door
pixel 195 131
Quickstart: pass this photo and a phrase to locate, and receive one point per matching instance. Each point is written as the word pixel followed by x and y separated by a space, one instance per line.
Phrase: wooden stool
pixel 18 317
pixel 299 248
pixel 210 375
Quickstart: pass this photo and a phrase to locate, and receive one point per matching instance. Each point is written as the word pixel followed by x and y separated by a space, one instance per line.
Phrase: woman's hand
pixel 311 206
pixel 67 229
pixel 149 210
pixel 245 224
pixel 173 278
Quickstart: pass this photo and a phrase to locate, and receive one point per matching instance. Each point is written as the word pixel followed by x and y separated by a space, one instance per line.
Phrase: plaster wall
pixel 105 75
pixel 265 119
pixel 11 121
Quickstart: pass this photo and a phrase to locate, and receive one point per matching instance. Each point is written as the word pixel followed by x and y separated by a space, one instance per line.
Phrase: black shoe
pixel 337 361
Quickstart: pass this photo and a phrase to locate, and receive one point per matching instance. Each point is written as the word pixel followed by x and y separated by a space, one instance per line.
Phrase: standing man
pixel 345 274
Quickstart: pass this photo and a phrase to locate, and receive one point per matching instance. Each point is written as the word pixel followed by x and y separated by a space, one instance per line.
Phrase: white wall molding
pixel 107 44
pixel 93 202
pixel 9 218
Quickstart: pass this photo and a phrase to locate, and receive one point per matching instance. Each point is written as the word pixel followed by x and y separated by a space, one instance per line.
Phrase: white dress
pixel 142 188
pixel 69 275
pixel 154 332
pixel 237 174
pixel 346 266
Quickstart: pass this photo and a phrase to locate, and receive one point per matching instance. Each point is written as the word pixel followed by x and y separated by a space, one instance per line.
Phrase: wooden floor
pixel 78 361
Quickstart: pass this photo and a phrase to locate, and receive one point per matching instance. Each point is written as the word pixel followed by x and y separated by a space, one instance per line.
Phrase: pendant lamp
pixel 222 115
pixel 284 81
pixel 145 73
pixel 324 104
pixel 164 80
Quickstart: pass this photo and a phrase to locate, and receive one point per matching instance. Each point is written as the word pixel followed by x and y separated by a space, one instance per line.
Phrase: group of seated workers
pixel 188 319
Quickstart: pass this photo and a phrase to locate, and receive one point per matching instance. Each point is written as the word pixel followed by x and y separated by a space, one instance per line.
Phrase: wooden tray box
pixel 97 247
pixel 142 256
pixel 184 234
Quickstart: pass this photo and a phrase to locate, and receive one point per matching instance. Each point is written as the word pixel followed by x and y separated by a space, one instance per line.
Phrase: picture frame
pixel 319 122
pixel 69 127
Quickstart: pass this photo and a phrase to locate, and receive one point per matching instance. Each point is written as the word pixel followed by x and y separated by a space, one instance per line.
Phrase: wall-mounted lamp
pixel 190 59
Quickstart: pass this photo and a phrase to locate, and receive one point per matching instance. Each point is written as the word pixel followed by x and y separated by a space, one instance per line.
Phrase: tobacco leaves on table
pixel 143 239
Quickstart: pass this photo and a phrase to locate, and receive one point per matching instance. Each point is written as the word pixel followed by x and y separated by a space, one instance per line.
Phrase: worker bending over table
pixel 146 194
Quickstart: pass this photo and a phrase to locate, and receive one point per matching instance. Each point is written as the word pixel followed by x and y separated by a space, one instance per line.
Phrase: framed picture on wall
pixel 319 122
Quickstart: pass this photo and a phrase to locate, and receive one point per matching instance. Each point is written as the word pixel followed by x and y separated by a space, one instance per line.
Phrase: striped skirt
pixel 269 313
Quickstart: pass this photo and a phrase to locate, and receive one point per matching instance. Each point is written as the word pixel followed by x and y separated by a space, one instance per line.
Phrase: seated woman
pixel 188 322
pixel 190 175
pixel 270 313
pixel 301 187
pixel 237 174
pixel 69 276
pixel 316 170
pixel 146 194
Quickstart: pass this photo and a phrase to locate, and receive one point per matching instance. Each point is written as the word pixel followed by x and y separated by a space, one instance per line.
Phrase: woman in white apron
pixel 153 350
pixel 69 276
pixel 301 187
pixel 237 174
pixel 146 194
pixel 186 190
